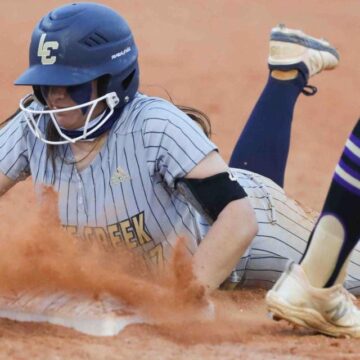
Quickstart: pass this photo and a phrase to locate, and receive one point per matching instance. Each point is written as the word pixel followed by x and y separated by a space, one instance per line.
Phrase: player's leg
pixel 311 294
pixel 284 228
pixel 338 227
pixel 264 143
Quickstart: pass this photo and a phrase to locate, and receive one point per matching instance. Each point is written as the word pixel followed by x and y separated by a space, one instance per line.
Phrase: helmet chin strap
pixel 92 123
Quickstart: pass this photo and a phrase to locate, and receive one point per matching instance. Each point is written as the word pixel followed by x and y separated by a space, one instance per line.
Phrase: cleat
pixel 293 49
pixel 329 311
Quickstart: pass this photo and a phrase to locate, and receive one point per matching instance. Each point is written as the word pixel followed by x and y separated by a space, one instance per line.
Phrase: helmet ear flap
pixel 102 85
pixel 38 95
pixel 125 84
pixel 103 82
pixel 127 81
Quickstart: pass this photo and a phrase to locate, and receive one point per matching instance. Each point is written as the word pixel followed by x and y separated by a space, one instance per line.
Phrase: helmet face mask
pixel 34 118
pixel 74 45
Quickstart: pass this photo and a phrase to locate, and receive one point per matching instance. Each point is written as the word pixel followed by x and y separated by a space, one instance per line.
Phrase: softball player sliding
pixel 137 171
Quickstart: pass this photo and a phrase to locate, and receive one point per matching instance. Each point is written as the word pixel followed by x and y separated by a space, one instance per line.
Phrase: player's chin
pixel 69 120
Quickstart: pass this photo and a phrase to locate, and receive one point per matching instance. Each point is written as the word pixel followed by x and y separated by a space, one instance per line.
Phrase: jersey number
pixel 44 50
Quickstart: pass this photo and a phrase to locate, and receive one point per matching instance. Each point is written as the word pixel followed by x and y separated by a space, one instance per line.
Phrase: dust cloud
pixel 37 252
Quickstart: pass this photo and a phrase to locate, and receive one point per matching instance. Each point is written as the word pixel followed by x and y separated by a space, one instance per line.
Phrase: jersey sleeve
pixel 173 142
pixel 14 161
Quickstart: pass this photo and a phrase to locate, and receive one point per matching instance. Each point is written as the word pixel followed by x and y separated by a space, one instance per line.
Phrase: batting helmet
pixel 77 43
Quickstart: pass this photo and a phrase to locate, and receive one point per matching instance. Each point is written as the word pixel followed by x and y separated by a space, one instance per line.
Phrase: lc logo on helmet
pixel 44 50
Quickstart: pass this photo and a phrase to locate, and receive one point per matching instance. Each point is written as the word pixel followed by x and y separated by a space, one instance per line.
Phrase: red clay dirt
pixel 211 55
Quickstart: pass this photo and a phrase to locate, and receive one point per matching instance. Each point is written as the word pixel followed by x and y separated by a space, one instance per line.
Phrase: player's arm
pixel 5 183
pixel 14 164
pixel 233 228
pixel 183 152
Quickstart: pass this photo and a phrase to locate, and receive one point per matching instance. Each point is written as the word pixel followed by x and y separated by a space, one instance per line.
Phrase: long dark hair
pixel 18 111
pixel 199 117
pixel 195 114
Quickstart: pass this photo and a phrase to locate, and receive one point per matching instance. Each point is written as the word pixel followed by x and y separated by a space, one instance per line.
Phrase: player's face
pixel 61 97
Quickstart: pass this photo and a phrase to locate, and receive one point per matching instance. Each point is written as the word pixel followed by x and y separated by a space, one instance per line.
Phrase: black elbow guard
pixel 210 195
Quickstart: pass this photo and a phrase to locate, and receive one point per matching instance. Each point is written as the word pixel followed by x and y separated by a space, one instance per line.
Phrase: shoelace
pixel 349 297
pixel 343 308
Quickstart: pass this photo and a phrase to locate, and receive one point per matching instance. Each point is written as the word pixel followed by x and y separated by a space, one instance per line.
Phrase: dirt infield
pixel 209 54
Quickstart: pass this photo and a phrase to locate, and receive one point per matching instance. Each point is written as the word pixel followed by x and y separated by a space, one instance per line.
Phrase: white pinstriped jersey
pixel 127 192
pixel 127 196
